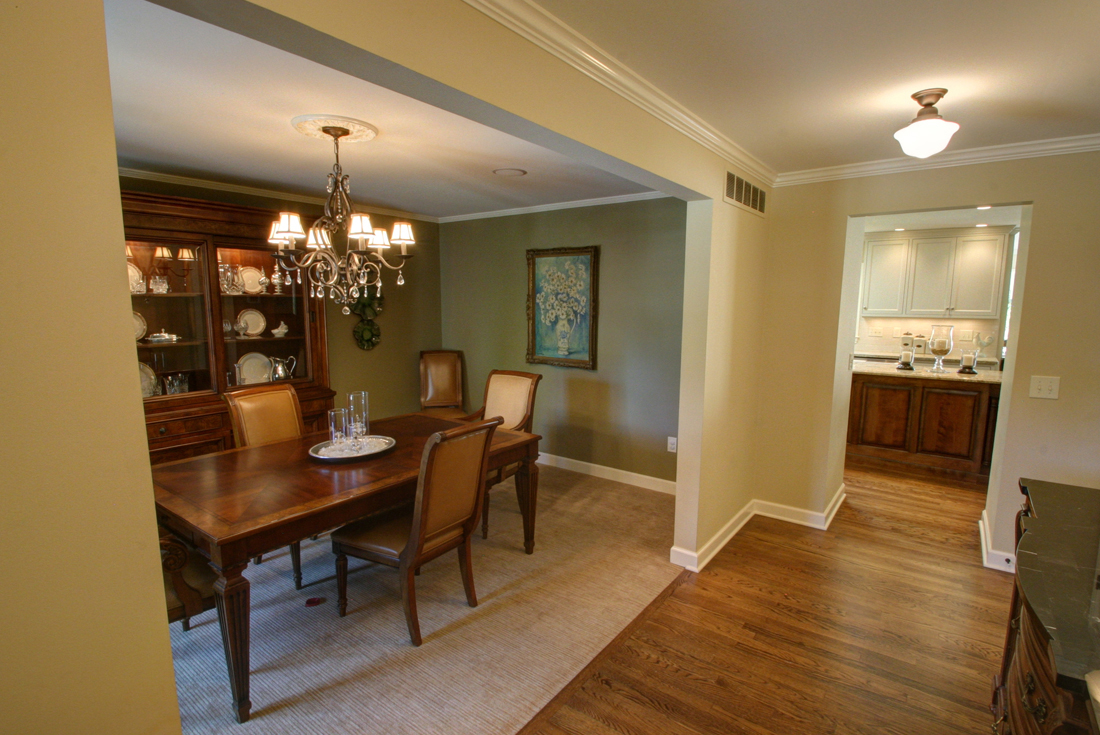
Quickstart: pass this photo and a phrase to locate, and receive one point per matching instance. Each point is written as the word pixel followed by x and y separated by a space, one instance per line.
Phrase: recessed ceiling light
pixel 899 229
pixel 981 225
pixel 509 172
pixel 988 206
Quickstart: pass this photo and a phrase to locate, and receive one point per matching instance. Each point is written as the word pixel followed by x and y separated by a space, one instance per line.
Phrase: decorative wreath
pixel 367 333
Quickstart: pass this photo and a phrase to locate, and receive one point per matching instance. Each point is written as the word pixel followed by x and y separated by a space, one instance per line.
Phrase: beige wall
pixel 410 320
pixel 84 643
pixel 1053 440
pixel 620 414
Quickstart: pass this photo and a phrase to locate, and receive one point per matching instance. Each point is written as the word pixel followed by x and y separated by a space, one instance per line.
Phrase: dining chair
pixel 261 415
pixel 441 383
pixel 442 517
pixel 510 394
pixel 188 580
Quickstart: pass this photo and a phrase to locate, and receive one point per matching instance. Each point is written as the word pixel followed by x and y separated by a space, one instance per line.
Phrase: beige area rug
pixel 601 555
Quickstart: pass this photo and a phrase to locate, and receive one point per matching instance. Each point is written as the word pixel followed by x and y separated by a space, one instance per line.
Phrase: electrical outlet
pixel 1044 386
pixel 876 331
pixel 672 444
pixel 966 335
pixel 897 331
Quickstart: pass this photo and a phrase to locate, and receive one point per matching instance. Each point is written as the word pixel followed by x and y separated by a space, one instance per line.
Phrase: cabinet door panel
pixel 884 277
pixel 885 416
pixel 930 279
pixel 978 262
pixel 948 422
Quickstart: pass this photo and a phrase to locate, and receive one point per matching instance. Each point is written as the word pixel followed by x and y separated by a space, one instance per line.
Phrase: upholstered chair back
pixel 440 378
pixel 511 395
pixel 265 414
pixel 449 492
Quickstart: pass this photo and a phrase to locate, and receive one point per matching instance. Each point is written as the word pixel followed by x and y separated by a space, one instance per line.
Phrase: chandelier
pixel 343 277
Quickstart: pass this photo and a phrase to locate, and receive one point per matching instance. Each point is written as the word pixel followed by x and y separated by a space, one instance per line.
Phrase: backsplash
pixel 891 345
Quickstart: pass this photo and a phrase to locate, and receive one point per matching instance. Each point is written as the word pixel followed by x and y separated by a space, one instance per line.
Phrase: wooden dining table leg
pixel 231 592
pixel 527 493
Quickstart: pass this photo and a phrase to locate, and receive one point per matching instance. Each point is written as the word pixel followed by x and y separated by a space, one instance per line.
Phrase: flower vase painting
pixel 562 289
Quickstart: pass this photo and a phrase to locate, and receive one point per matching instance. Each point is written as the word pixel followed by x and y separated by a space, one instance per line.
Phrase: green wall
pixel 410 320
pixel 620 414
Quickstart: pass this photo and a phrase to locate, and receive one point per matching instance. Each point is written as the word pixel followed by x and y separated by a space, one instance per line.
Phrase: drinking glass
pixel 359 413
pixel 158 284
pixel 338 428
pixel 940 344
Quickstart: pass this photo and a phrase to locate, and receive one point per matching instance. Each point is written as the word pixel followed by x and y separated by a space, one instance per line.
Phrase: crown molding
pixel 136 173
pixel 602 201
pixel 552 35
pixel 988 154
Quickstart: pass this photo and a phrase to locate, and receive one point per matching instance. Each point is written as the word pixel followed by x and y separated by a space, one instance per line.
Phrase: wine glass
pixel 338 428
pixel 940 344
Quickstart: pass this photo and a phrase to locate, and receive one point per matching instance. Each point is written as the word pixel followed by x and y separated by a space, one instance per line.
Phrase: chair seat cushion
pixel 386 535
pixel 197 574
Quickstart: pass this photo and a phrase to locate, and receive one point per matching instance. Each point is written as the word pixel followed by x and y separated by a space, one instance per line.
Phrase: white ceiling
pixel 943 219
pixel 194 100
pixel 804 85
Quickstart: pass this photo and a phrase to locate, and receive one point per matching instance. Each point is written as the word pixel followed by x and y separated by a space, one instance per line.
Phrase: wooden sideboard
pixel 189 243
pixel 1050 644
pixel 933 426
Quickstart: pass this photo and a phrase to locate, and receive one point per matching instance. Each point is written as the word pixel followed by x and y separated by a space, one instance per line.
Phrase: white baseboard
pixel 1003 561
pixel 609 473
pixel 694 561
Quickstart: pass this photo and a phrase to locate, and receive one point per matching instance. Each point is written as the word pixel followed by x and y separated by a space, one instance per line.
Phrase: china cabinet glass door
pixel 168 295
pixel 265 325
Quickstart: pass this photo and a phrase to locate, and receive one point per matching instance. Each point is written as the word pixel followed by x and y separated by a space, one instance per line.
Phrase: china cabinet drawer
pixel 190 425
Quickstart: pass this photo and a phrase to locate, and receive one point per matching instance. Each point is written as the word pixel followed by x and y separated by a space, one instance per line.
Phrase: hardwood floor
pixel 885 623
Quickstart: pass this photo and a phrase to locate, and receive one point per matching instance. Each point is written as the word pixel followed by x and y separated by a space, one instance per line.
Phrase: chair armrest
pixel 475 416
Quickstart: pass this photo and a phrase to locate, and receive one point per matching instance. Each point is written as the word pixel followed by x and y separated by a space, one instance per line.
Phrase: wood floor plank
pixel 885 623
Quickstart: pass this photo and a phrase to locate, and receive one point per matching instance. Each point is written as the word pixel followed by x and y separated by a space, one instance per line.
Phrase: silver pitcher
pixel 282 369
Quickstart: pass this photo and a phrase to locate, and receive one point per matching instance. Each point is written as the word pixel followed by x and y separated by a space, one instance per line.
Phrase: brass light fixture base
pixel 350 129
pixel 927 98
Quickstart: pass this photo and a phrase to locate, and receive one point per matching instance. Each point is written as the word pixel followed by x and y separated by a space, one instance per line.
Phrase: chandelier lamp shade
pixel 343 277
pixel 929 133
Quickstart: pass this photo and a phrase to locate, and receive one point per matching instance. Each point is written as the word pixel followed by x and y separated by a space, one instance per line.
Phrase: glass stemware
pixel 338 428
pixel 358 416
pixel 940 344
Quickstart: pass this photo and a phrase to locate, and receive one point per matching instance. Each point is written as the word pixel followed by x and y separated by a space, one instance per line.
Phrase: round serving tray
pixel 376 447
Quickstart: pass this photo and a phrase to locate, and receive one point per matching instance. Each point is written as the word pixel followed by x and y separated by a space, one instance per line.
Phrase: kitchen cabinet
pixel 933 426
pixel 935 273
pixel 885 263
pixel 187 341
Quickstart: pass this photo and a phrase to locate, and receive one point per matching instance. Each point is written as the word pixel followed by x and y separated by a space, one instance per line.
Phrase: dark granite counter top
pixel 1057 567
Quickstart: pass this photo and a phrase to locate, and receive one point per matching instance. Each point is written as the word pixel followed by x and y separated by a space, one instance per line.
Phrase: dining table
pixel 238 504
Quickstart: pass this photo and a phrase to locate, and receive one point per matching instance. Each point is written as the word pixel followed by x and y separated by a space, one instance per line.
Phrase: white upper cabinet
pixel 935 273
pixel 885 263
pixel 932 264
pixel 979 264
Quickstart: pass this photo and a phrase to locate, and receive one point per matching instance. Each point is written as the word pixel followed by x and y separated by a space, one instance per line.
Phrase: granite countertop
pixel 920 371
pixel 893 355
pixel 1056 564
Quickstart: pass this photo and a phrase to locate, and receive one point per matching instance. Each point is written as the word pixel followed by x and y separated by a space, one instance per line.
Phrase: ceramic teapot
pixel 282 369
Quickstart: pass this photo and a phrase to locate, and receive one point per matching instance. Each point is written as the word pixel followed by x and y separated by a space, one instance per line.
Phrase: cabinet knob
pixel 163 430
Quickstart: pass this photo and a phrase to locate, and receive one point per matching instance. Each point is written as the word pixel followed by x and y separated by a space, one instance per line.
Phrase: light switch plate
pixel 1044 386
pixel 876 331
pixel 672 444
pixel 966 335
pixel 897 331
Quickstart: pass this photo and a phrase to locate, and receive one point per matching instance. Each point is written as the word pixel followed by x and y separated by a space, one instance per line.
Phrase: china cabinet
pixel 208 319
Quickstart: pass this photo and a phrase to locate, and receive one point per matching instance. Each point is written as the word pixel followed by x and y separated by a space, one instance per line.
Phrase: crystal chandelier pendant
pixel 345 311
pixel 400 279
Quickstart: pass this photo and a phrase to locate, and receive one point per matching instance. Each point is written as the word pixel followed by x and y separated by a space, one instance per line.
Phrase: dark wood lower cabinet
pixel 929 426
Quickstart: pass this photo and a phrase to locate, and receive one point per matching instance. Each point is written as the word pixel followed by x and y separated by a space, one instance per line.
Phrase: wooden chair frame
pixel 240 439
pixel 413 556
pixel 424 377
pixel 500 476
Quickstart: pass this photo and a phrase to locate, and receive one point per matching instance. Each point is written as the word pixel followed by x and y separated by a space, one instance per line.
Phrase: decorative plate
pixel 150 386
pixel 255 368
pixel 254 322
pixel 140 327
pixel 251 277
pixel 374 444
pixel 137 281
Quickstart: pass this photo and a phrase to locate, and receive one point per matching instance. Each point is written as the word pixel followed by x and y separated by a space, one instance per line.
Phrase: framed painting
pixel 562 301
